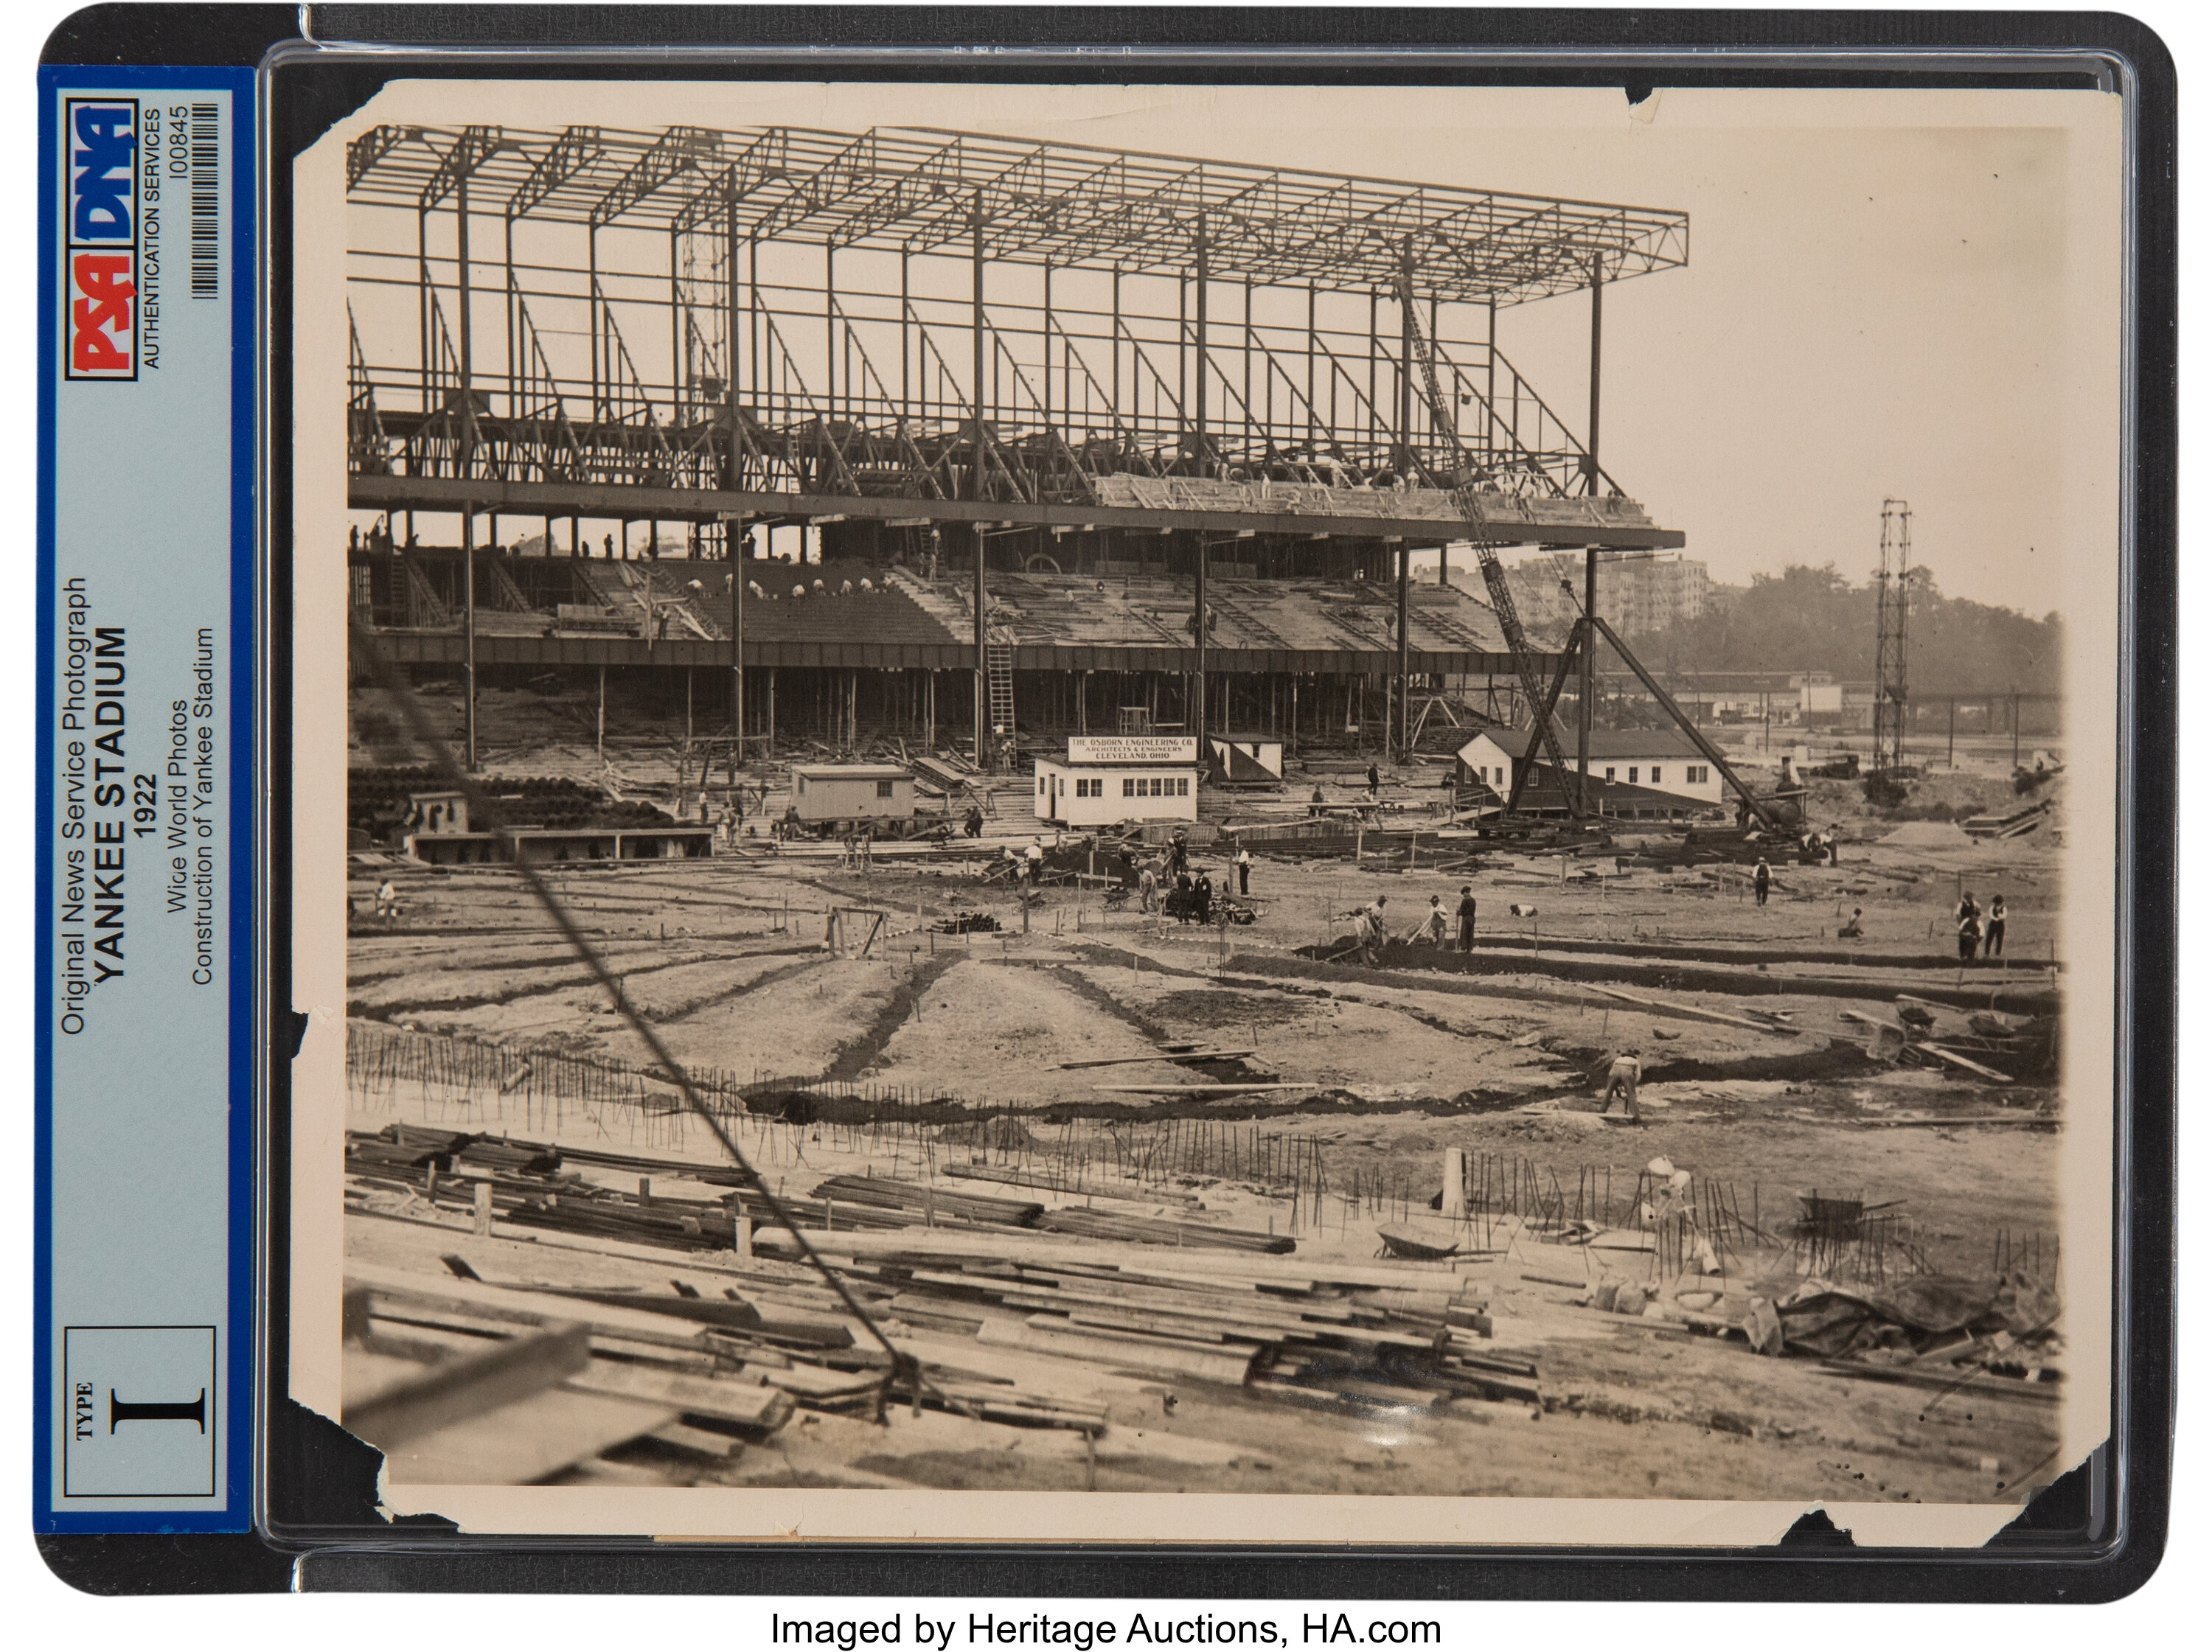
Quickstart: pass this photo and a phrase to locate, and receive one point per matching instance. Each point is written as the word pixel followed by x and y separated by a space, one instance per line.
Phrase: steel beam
pixel 447 648
pixel 404 493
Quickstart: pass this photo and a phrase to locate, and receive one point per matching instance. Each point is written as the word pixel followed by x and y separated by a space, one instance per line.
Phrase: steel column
pixel 1589 684
pixel 1405 647
pixel 1596 352
pixel 975 492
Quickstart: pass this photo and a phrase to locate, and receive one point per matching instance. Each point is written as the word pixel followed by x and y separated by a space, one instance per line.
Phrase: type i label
pixel 147 778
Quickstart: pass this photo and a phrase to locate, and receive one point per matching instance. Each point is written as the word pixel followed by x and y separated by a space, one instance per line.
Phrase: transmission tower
pixel 1892 602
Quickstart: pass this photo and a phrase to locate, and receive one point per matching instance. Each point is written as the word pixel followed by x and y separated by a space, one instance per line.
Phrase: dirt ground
pixel 1384 1068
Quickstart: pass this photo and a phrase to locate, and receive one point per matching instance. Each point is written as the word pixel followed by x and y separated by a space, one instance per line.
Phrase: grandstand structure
pixel 1085 439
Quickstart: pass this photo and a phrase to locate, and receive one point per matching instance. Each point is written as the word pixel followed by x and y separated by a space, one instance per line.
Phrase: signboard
pixel 147 1040
pixel 1133 749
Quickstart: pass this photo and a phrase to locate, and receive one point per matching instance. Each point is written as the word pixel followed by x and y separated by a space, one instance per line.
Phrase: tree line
pixel 1813 619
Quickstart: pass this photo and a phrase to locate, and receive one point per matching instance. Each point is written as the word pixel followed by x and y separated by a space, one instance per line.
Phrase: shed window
pixel 1654 774
pixel 1182 788
pixel 1631 777
pixel 883 788
pixel 1608 773
pixel 1128 788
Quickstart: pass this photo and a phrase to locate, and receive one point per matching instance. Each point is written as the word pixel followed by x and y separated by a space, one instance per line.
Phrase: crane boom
pixel 1485 555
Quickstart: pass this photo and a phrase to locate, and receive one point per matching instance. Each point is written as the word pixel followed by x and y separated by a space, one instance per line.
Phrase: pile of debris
pixel 966 923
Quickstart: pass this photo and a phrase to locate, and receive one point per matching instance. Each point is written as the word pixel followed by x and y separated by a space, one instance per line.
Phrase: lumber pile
pixel 1268 1325
pixel 459 1382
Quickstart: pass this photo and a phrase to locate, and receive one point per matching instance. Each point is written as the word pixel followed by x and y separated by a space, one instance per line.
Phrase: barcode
pixel 207 202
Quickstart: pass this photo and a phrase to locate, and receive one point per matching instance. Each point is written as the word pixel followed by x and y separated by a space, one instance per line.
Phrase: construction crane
pixel 1585 630
pixel 1485 557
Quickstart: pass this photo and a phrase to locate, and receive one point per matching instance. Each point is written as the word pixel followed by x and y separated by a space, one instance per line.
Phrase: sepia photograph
pixel 1209 813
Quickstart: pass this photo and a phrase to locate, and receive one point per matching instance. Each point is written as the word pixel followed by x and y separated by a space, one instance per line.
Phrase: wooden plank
pixel 523 1443
pixel 698 1442
pixel 1196 1089
pixel 1150 1357
pixel 1177 1056
pixel 1044 1250
pixel 754 1407
pixel 2006 1387
pixel 518 1307
pixel 451 1394
pixel 1958 1061
pixel 1689 1010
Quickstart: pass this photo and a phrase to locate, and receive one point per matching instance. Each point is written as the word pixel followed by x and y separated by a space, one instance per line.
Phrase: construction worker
pixel 1243 870
pixel 1993 931
pixel 1761 877
pixel 1970 936
pixel 1374 782
pixel 1201 899
pixel 1179 855
pixel 1318 802
pixel 1148 889
pixel 1368 925
pixel 1854 930
pixel 1467 917
pixel 1434 924
pixel 1033 862
pixel 973 824
pixel 387 899
pixel 1621 1080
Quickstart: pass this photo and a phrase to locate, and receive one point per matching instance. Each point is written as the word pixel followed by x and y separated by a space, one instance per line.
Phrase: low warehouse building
pixel 1110 778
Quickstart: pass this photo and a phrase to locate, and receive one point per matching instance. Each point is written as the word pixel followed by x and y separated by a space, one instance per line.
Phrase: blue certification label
pixel 148 777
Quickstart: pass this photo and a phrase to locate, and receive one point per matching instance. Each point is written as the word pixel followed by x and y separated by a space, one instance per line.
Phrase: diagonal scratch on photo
pixel 1232 874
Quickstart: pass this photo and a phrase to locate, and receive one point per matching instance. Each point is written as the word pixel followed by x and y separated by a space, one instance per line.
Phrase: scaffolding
pixel 881 335
pixel 938 316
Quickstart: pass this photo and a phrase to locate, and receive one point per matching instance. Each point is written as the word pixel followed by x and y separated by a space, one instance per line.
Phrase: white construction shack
pixel 1110 778
pixel 822 793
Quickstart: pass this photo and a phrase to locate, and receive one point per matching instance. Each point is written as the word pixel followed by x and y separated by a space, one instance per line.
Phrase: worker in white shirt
pixel 1033 860
pixel 1243 870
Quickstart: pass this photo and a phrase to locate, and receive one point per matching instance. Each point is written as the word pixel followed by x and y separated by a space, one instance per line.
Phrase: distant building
pixel 1636 595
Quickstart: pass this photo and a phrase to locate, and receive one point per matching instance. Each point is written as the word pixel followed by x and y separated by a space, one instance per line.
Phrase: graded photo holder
pixel 1117 803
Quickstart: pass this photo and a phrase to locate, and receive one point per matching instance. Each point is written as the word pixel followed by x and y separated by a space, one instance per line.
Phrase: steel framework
pixel 1892 596
pixel 941 317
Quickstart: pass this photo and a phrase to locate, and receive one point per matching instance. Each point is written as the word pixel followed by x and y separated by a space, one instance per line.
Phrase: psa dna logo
pixel 100 237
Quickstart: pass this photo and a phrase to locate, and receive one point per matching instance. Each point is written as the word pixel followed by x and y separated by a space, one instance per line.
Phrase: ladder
pixel 998 672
